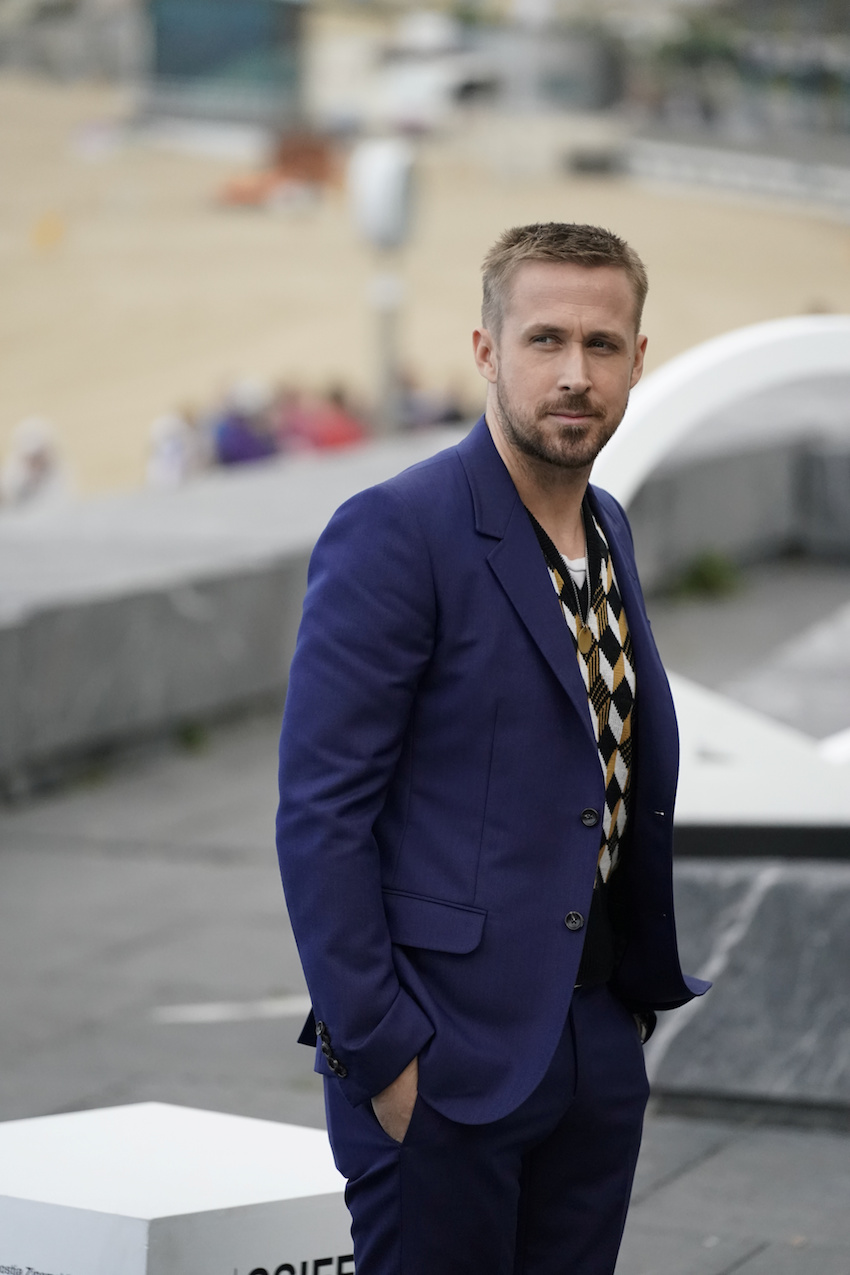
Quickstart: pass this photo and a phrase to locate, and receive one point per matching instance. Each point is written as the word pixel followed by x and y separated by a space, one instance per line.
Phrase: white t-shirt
pixel 577 568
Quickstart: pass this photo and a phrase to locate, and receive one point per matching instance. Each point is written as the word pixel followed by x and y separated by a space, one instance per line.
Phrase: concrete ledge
pixel 82 676
pixel 131 616
pixel 775 939
pixel 125 617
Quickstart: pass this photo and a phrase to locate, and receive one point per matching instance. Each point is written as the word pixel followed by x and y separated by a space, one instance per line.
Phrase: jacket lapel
pixel 626 573
pixel 518 564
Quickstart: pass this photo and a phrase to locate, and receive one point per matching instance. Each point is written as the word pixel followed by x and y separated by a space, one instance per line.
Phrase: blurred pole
pixel 386 293
pixel 380 176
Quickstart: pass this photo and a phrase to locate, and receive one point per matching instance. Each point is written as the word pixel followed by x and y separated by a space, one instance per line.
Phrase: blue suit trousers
pixel 542 1191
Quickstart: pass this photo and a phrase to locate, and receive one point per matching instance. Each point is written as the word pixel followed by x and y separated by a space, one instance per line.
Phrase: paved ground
pixel 154 886
pixel 726 643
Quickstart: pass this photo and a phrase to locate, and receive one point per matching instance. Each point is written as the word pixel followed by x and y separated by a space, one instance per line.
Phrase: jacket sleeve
pixel 366 637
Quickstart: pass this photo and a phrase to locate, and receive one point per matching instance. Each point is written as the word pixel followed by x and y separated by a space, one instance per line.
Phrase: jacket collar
pixel 494 495
pixel 518 564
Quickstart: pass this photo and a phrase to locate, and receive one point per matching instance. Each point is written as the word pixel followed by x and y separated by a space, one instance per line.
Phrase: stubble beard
pixel 563 446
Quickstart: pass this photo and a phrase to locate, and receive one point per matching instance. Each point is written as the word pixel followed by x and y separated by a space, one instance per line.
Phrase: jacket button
pixel 326 1049
pixel 341 1070
pixel 590 817
pixel 320 1028
pixel 574 920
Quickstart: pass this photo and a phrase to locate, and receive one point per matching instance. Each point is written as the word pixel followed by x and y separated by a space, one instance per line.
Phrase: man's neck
pixel 552 493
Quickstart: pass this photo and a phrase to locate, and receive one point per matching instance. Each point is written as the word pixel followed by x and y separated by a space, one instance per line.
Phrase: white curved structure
pixel 725 778
pixel 704 380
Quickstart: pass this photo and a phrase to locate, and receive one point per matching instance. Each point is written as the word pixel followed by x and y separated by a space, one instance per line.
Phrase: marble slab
pixel 774 937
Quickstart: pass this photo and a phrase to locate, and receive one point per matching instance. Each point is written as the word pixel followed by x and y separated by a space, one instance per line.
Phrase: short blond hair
pixel 558 241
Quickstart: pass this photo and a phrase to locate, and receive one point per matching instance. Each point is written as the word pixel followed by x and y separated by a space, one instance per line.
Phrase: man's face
pixel 564 362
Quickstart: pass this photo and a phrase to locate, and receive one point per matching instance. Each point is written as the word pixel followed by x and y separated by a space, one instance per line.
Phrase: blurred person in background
pixel 291 418
pixel 33 472
pixel 338 423
pixel 475 825
pixel 302 423
pixel 418 408
pixel 241 430
pixel 177 451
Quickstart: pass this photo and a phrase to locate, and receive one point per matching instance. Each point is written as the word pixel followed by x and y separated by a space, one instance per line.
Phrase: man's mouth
pixel 572 414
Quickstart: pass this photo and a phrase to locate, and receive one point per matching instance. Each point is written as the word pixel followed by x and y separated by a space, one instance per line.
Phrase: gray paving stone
pixel 222 795
pixel 797 1259
pixel 770 1184
pixel 252 1069
pixel 671 1146
pixel 654 1250
pixel 707 638
pixel 101 923
pixel 806 681
pixel 158 886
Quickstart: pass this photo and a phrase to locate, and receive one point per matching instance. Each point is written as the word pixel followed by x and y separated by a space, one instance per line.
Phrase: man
pixel 478 768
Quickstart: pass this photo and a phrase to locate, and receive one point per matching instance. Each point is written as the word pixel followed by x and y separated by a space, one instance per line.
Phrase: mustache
pixel 579 404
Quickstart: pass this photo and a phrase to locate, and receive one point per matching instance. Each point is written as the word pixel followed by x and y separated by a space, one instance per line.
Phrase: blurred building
pixel 74 39
pixel 738 68
pixel 750 70
pixel 227 59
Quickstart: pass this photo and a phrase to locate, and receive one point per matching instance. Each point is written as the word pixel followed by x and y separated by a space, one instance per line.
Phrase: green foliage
pixel 192 737
pixel 705 40
pixel 709 575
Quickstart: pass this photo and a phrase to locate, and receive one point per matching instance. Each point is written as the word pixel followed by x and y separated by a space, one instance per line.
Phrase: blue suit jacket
pixel 437 754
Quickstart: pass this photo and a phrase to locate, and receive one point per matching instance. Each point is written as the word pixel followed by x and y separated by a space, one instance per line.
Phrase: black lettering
pixel 321 1261
pixel 286 1269
pixel 259 1270
pixel 340 1270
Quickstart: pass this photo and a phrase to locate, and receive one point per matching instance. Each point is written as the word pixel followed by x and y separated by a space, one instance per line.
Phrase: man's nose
pixel 574 372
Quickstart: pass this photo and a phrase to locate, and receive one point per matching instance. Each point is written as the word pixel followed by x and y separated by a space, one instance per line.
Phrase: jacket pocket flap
pixel 415 921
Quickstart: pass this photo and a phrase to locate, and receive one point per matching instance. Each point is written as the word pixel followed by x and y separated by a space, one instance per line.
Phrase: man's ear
pixel 637 366
pixel 486 354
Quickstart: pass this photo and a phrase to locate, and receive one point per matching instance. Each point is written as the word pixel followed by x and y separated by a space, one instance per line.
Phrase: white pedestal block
pixel 153 1189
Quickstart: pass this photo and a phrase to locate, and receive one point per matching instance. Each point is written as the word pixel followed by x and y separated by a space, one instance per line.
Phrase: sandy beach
pixel 129 290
